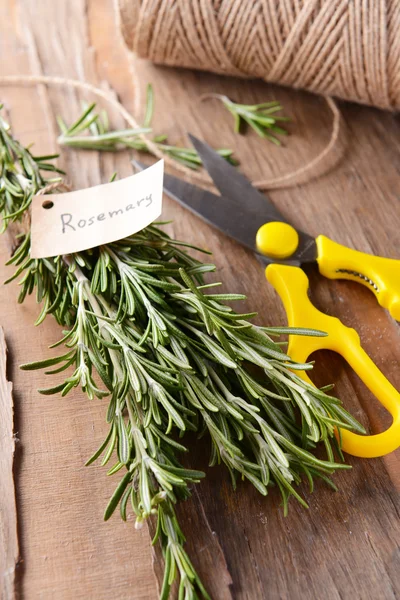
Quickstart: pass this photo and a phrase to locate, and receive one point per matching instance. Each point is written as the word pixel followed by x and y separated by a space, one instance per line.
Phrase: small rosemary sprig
pixel 261 117
pixel 100 137
pixel 142 329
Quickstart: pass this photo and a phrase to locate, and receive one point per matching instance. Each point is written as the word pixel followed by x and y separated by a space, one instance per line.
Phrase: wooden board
pixel 9 551
pixel 347 544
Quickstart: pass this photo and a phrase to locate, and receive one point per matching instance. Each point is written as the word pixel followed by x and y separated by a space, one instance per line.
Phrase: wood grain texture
pixel 347 545
pixel 9 549
pixel 67 550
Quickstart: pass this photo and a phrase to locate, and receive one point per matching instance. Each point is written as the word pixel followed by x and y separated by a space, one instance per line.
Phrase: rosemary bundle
pixel 142 329
pixel 98 136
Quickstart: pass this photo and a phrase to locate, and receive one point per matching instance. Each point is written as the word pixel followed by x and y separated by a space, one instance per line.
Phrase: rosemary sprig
pixel 260 117
pixel 100 137
pixel 143 330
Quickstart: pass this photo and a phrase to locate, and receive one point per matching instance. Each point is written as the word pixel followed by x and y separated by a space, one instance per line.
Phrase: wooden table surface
pixel 347 545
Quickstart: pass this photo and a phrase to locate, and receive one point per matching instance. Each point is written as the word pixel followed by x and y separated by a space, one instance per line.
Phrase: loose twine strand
pixel 304 173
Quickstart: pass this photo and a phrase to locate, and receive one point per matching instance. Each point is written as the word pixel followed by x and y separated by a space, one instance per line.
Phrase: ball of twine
pixel 344 48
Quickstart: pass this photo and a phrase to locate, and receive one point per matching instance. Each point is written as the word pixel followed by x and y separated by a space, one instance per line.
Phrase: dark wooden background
pixel 347 545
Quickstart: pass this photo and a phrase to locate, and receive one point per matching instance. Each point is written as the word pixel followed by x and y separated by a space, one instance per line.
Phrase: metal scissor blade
pixel 218 211
pixel 257 208
pixel 215 210
pixel 198 200
pixel 232 218
pixel 235 186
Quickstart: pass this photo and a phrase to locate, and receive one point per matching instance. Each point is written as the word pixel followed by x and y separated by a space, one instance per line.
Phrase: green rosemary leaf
pixel 115 498
pixel 124 443
pixel 117 467
pixel 63 367
pixel 124 503
pixel 260 117
pixel 111 446
pixel 149 106
pixel 48 362
pixel 52 390
pixel 186 473
pixel 166 586
pixel 293 331
pixel 100 450
pixel 144 489
pixel 63 127
pixel 81 119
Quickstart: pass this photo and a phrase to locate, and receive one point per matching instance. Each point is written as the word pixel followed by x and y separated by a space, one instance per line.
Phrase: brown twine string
pixel 344 48
pixel 305 173
pixel 57 185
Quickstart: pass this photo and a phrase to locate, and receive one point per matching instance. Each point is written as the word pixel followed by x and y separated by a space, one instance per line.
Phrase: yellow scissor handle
pixel 380 275
pixel 291 283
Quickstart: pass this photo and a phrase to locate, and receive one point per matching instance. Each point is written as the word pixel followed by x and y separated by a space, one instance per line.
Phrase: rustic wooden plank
pixel 9 548
pixel 341 544
pixel 203 546
pixel 67 550
pixel 347 544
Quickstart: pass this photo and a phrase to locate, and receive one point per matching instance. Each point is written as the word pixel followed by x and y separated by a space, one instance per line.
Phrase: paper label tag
pixel 75 221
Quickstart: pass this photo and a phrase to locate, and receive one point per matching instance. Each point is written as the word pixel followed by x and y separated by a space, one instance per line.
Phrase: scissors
pixel 249 217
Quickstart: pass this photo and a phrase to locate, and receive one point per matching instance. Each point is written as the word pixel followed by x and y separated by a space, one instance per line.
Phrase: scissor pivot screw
pixel 277 240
